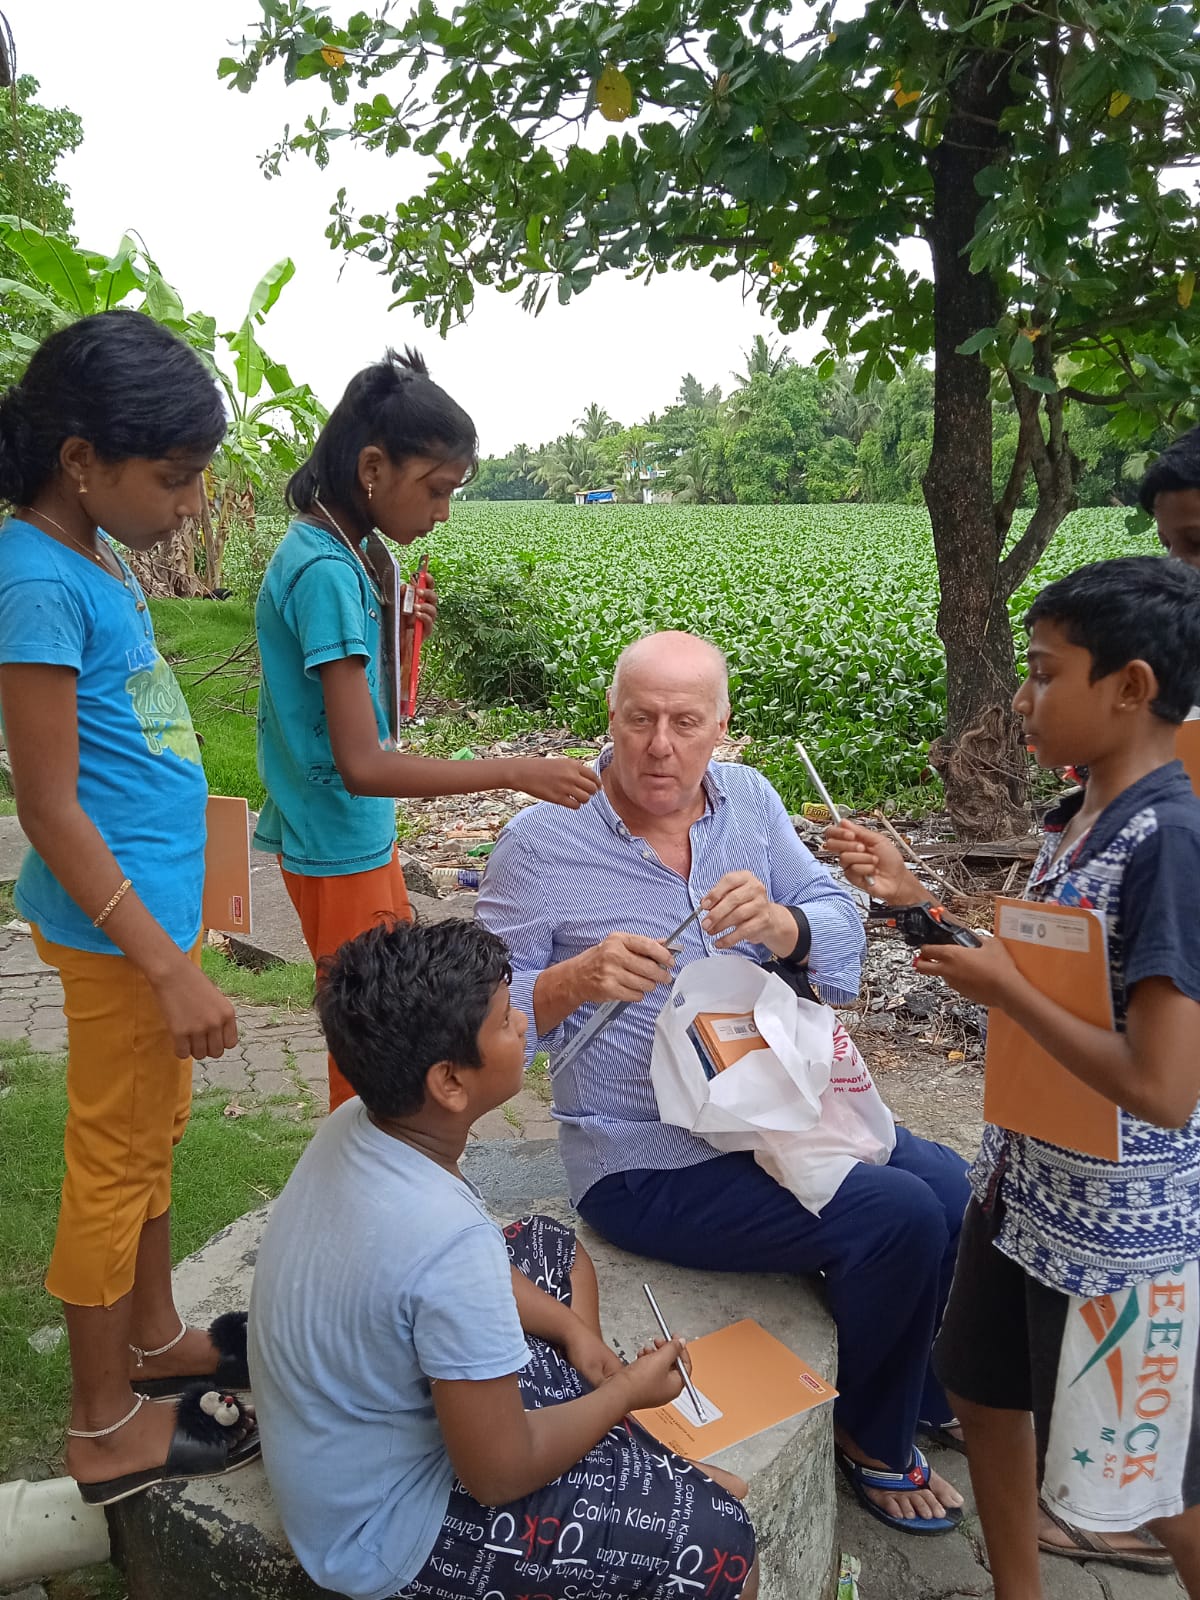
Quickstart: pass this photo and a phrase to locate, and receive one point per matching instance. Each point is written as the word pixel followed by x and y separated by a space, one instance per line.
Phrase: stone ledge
pixel 221 1539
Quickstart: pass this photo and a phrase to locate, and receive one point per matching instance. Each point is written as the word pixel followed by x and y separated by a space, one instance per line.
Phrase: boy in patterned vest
pixel 1077 1292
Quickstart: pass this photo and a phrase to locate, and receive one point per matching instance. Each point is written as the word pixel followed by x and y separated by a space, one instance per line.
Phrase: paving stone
pixel 226 1074
pixel 495 1126
pixel 265 1055
pixel 13 849
pixel 269 1083
pixel 20 959
pixel 48 1041
pixel 313 1067
pixel 15 1010
pixel 1118 1585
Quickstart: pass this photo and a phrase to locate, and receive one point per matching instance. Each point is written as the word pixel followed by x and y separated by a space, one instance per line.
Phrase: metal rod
pixel 834 813
pixel 610 1010
pixel 683 1371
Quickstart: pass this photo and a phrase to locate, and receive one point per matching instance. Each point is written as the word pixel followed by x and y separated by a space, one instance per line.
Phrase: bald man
pixel 584 901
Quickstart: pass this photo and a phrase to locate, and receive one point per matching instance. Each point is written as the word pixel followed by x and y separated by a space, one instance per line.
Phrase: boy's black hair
pixel 393 404
pixel 121 381
pixel 1136 608
pixel 1177 468
pixel 399 998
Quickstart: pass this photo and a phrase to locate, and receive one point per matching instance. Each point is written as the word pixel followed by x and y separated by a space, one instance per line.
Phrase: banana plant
pixel 273 419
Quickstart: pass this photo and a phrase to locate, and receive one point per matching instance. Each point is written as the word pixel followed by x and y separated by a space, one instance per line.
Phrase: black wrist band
pixel 799 955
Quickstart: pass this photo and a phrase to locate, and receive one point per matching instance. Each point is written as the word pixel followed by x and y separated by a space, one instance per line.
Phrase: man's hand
pixel 873 863
pixel 624 966
pixel 589 1355
pixel 740 909
pixel 987 975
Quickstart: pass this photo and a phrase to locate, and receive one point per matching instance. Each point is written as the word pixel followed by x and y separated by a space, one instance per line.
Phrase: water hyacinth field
pixel 826 614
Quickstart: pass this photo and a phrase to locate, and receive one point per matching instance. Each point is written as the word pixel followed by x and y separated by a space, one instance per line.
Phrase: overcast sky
pixel 171 152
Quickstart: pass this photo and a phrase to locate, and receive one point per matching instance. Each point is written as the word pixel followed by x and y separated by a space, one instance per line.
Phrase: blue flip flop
pixel 862 1478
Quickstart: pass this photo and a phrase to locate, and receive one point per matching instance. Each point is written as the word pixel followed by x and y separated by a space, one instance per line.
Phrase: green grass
pixel 8 804
pixel 224 1167
pixel 199 638
pixel 288 986
pixel 7 909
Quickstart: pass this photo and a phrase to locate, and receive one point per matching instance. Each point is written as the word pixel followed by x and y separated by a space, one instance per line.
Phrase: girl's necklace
pixel 372 579
pixel 86 549
pixel 122 573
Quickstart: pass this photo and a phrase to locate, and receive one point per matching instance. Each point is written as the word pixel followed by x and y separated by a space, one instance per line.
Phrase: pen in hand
pixel 683 1372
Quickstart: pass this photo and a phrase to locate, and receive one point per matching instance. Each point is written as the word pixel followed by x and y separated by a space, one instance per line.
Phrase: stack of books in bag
pixel 722 1038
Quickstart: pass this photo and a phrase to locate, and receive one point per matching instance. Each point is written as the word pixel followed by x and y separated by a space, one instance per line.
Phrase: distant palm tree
pixel 521 462
pixel 767 359
pixel 570 466
pixel 595 423
pixel 693 478
pixel 696 397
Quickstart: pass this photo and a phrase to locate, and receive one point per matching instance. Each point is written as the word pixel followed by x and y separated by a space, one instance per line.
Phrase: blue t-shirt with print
pixel 1075 1222
pixel 140 777
pixel 379 1271
pixel 317 604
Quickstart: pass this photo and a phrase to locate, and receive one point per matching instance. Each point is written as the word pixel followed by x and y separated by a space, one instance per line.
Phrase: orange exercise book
pixel 728 1035
pixel 748 1382
pixel 1187 748
pixel 1062 951
pixel 226 905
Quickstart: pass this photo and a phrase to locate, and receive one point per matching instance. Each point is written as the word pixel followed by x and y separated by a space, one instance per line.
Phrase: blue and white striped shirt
pixel 560 882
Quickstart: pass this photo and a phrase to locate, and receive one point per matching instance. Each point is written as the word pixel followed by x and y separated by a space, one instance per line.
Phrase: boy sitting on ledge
pixel 440 1415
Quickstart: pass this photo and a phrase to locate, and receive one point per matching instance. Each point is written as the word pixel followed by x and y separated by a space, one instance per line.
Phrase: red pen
pixel 420 584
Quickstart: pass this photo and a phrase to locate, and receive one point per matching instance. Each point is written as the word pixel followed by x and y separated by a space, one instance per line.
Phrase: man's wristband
pixel 798 956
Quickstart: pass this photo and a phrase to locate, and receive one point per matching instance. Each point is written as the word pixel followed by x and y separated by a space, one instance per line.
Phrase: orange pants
pixel 128 1100
pixel 333 910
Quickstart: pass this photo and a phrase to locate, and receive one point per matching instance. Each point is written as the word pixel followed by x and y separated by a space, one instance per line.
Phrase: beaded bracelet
pixel 126 885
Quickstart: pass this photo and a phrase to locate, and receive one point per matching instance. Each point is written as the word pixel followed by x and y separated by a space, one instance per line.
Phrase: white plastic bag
pixel 806 1104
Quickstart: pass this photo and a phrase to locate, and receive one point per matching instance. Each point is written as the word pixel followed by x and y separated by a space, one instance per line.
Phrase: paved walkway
pixel 280 1053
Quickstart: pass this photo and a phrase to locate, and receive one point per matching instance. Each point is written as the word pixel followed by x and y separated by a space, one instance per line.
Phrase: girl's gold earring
pixel 82 487
pixel 370 490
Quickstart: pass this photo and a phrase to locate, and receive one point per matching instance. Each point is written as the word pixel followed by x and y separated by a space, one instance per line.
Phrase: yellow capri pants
pixel 128 1100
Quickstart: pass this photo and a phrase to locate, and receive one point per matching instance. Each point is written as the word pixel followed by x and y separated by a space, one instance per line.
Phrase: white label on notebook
pixel 1047 928
pixel 729 1029
pixel 687 1410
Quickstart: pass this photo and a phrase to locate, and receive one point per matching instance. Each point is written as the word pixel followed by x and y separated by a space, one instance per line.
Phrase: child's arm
pixel 1152 1069
pixel 367 769
pixel 547 1318
pixel 873 863
pixel 38 705
pixel 500 1451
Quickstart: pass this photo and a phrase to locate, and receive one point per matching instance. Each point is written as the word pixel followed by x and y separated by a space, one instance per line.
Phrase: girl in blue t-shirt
pixel 111 428
pixel 387 462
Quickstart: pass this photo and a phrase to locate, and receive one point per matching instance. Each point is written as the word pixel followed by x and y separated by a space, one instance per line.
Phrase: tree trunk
pixel 980 758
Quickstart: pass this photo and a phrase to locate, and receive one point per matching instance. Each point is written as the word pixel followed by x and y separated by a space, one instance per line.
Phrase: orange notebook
pixel 728 1035
pixel 1187 748
pixel 1062 951
pixel 226 905
pixel 747 1381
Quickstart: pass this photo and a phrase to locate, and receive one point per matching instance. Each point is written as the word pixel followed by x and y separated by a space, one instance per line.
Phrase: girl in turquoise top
pixel 382 473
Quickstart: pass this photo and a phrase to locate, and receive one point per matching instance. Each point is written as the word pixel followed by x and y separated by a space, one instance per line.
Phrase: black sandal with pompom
pixel 228 1334
pixel 214 1433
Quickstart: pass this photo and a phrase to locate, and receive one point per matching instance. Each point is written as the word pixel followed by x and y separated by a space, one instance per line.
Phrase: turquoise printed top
pixel 140 777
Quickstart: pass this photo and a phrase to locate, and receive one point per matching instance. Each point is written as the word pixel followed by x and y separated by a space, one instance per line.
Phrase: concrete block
pixel 220 1539
pixel 13 849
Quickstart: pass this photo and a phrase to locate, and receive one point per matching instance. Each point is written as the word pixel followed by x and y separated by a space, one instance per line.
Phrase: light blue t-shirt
pixel 140 778
pixel 316 605
pixel 378 1271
